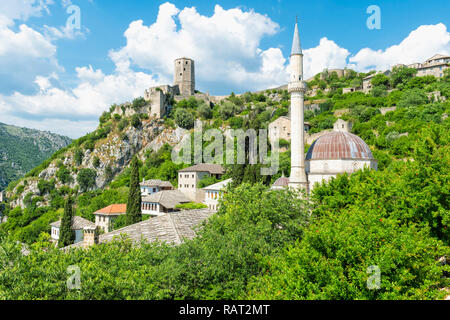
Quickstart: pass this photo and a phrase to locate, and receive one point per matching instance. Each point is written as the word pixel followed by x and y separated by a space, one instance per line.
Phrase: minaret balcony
pixel 298 86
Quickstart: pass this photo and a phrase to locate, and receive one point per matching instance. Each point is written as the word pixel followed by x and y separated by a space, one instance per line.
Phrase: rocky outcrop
pixel 108 158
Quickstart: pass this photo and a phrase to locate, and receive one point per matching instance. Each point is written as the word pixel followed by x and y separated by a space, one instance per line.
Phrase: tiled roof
pixel 281 182
pixel 218 186
pixel 114 209
pixel 78 223
pixel 339 145
pixel 205 167
pixel 168 198
pixel 171 228
pixel 156 183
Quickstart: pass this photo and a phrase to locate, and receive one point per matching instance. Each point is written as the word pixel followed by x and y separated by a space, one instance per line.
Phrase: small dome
pixel 281 182
pixel 339 145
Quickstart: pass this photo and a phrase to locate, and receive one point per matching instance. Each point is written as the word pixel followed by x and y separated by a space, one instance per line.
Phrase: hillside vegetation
pixel 262 244
pixel 22 149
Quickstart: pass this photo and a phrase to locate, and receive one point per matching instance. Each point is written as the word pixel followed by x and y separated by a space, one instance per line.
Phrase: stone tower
pixel 184 76
pixel 296 89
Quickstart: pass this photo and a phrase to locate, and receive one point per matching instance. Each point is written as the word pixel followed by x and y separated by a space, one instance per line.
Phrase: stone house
pixel 163 202
pixel 153 186
pixel 213 193
pixel 342 125
pixel 105 217
pixel 283 126
pixel 189 178
pixel 434 66
pixel 78 225
pixel 350 89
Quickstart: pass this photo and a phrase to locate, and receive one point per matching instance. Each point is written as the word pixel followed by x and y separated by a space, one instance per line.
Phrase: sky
pixel 64 62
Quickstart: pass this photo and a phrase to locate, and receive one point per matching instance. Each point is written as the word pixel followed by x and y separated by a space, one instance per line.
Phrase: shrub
pixel 191 206
pixel 96 162
pixel 135 121
pixel 184 118
pixel 138 103
pixel 64 175
pixel 86 179
pixel 123 124
pixel 78 156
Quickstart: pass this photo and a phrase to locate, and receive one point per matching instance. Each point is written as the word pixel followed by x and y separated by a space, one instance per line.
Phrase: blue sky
pixel 62 79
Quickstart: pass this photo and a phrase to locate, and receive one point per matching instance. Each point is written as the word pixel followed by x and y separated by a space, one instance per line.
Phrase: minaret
pixel 296 89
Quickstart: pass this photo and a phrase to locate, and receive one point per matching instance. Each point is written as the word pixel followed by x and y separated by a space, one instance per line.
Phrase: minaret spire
pixel 297 89
pixel 296 46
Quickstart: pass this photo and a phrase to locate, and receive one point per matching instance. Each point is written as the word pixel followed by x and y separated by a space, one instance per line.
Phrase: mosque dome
pixel 339 145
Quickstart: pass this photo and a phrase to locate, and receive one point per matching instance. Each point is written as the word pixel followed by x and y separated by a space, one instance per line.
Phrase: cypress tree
pixel 66 234
pixel 134 214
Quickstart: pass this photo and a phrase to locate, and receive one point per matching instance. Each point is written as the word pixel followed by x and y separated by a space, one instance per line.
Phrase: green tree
pixel 401 75
pixel 86 179
pixel 184 118
pixel 380 80
pixel 135 121
pixel 78 156
pixel 134 214
pixel 413 97
pixel 204 110
pixel 66 233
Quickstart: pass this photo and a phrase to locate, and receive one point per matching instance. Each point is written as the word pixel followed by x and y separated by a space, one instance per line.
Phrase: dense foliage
pixel 22 149
pixel 262 243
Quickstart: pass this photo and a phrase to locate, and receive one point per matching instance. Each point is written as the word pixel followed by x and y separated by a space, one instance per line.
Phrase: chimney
pixel 90 236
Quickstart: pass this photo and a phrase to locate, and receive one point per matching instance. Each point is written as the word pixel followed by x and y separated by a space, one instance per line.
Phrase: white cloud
pixel 94 94
pixel 418 46
pixel 225 46
pixel 327 55
pixel 24 54
pixel 23 9
pixel 64 32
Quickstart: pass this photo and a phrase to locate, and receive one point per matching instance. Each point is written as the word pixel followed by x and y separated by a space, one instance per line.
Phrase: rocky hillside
pixel 22 149
pixel 92 161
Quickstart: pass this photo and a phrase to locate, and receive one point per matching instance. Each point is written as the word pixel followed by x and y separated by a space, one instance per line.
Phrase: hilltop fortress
pixel 159 98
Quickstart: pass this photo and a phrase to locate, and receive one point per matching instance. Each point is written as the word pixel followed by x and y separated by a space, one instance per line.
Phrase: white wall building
pixel 105 217
pixel 189 178
pixel 160 203
pixel 213 194
pixel 78 225
pixel 149 187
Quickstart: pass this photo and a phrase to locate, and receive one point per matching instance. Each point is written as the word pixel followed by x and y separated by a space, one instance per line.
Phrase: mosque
pixel 334 153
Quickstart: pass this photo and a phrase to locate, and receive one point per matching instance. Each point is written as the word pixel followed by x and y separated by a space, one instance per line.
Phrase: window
pixel 193 176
